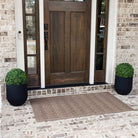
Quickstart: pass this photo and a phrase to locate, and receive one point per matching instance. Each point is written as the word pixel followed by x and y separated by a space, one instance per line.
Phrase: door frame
pixel 111 40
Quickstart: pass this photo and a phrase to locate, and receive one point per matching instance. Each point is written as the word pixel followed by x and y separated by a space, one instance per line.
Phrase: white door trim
pixel 19 36
pixel 42 49
pixel 92 40
pixel 0 103
pixel 111 41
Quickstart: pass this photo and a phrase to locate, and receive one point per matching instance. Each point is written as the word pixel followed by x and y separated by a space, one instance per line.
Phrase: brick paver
pixel 19 122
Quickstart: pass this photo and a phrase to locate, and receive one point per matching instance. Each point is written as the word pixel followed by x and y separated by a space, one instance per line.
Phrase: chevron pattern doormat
pixel 63 107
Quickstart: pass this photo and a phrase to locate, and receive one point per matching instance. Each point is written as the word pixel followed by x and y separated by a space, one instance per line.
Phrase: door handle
pixel 46 40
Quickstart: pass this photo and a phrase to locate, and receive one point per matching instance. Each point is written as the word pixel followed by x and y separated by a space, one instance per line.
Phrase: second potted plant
pixel 124 78
pixel 16 85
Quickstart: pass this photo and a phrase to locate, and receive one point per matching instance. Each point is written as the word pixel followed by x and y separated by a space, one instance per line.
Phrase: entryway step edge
pixel 69 91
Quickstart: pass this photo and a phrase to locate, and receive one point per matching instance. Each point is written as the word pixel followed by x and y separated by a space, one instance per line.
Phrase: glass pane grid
pixel 31 65
pixel 30 6
pixel 31 44
pixel 30 25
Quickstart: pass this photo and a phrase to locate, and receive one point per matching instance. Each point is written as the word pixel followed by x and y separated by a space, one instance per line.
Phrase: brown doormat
pixel 63 107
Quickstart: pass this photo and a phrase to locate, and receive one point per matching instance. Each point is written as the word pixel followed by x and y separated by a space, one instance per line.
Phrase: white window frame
pixel 111 41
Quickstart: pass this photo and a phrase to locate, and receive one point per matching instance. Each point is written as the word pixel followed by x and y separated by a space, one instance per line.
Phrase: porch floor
pixel 19 122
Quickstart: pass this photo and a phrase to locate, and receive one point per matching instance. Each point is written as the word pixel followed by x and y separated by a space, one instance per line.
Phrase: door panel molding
pixel 57 41
pixel 77 41
pixel 67 6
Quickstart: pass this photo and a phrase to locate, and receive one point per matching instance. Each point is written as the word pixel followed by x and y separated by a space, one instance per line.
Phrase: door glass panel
pixel 101 18
pixel 100 44
pixel 102 6
pixel 31 46
pixel 99 62
pixel 30 6
pixel 30 24
pixel 101 25
pixel 31 64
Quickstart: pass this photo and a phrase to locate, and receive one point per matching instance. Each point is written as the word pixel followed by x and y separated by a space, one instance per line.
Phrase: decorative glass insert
pixel 30 25
pixel 31 64
pixel 30 6
pixel 31 46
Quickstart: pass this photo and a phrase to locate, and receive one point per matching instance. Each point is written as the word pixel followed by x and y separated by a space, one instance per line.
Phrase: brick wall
pixel 127 35
pixel 7 37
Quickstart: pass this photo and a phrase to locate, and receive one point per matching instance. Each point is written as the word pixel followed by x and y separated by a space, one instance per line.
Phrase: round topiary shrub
pixel 16 86
pixel 16 77
pixel 124 70
pixel 124 78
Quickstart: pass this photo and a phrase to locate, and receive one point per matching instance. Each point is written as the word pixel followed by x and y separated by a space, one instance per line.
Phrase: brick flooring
pixel 19 122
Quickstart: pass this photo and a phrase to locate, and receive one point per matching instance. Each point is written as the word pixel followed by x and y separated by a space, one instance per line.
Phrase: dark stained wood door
pixel 67 41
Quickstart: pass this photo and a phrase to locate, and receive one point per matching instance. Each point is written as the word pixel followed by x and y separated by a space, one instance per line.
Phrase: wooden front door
pixel 67 41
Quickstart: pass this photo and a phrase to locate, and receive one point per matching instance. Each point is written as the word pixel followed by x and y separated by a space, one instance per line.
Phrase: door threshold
pixel 67 85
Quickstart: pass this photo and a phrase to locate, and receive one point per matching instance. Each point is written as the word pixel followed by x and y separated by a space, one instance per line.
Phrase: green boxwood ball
pixel 124 70
pixel 16 77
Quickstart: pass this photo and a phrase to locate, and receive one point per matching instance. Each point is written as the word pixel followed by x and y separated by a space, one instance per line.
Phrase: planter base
pixel 123 86
pixel 16 95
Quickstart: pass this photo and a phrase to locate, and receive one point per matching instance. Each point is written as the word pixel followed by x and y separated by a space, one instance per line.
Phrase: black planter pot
pixel 123 86
pixel 17 94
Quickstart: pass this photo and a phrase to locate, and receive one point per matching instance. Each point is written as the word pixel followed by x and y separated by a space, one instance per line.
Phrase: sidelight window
pixel 101 40
pixel 31 40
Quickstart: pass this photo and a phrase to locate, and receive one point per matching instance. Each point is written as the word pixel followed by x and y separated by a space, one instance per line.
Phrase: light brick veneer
pixel 20 122
pixel 7 37
pixel 127 35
